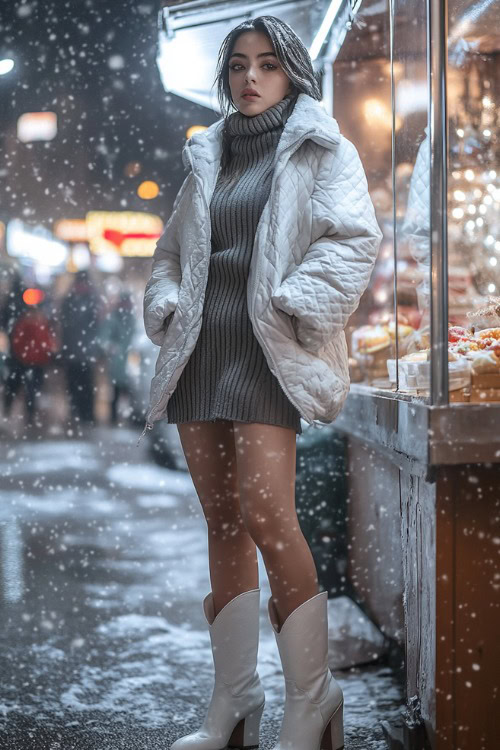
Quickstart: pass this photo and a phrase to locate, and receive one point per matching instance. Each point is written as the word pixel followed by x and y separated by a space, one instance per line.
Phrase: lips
pixel 249 93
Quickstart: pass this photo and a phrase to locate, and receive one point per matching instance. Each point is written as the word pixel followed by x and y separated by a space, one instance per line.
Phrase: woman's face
pixel 253 64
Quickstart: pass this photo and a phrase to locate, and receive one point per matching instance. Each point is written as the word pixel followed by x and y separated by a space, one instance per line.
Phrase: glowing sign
pixel 37 126
pixel 34 244
pixel 127 233
pixel 71 230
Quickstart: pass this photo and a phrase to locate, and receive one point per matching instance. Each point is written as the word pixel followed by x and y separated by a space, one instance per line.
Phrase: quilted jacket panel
pixel 314 250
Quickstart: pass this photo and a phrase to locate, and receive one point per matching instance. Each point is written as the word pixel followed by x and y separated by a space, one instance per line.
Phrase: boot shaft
pixel 234 636
pixel 303 645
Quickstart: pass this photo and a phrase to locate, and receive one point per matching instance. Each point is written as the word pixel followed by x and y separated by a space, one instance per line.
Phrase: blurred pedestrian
pixel 79 326
pixel 115 338
pixel 10 309
pixel 13 305
pixel 32 344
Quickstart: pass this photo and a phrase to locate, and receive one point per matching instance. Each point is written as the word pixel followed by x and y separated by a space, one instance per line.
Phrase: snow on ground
pixel 104 569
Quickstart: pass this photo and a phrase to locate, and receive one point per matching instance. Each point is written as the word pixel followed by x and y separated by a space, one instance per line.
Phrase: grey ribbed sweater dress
pixel 227 375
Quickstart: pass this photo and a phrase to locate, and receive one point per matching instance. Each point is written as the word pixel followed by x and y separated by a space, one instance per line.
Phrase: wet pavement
pixel 103 640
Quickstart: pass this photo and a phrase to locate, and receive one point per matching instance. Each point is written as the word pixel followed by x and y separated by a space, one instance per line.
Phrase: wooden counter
pixel 424 511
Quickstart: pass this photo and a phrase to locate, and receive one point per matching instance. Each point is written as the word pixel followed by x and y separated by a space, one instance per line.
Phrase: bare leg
pixel 210 456
pixel 266 461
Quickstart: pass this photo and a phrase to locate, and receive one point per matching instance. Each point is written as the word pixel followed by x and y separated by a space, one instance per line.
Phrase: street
pixel 104 642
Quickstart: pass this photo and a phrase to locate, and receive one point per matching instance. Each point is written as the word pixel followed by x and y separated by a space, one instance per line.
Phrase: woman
pixel 269 247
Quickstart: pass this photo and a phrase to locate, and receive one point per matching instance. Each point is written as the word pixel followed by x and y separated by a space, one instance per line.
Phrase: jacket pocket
pixel 158 337
pixel 290 322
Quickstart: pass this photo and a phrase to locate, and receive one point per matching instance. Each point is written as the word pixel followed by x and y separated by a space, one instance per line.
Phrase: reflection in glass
pixel 411 196
pixel 362 107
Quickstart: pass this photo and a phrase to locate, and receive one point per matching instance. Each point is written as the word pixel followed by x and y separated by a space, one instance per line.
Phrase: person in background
pixel 79 326
pixel 32 345
pixel 13 305
pixel 115 338
pixel 10 310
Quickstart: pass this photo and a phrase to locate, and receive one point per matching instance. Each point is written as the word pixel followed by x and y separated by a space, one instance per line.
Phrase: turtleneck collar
pixel 272 119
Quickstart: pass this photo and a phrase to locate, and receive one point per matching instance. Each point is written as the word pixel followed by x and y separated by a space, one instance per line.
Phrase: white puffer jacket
pixel 315 247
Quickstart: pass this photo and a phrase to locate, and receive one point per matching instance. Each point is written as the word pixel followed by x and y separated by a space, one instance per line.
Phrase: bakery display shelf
pixel 413 431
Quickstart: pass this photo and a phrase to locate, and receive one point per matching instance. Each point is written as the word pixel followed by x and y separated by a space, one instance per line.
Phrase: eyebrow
pixel 261 54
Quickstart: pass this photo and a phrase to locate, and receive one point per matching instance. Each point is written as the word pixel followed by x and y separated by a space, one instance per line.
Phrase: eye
pixel 237 65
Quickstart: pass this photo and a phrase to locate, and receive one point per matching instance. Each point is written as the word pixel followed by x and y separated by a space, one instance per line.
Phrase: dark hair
pixel 291 53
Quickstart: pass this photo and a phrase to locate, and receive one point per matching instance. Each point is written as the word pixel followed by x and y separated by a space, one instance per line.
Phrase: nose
pixel 250 74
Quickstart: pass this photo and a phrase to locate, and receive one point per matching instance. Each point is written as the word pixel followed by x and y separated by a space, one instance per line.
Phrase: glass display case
pixel 423 114
pixel 416 87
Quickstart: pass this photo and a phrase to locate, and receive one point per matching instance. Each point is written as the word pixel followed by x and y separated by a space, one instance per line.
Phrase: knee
pixel 257 526
pixel 222 525
pixel 271 533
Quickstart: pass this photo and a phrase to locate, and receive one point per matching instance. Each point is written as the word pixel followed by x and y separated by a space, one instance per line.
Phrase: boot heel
pixel 245 735
pixel 333 736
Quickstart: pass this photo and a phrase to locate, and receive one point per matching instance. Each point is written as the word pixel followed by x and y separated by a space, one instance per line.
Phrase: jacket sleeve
pixel 162 289
pixel 325 289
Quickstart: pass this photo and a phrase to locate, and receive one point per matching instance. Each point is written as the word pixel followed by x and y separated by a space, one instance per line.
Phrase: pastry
pixel 458 333
pixel 372 347
pixel 421 356
pixel 490 333
pixel 370 339
pixel 425 355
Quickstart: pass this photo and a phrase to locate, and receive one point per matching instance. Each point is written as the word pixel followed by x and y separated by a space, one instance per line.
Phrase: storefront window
pixel 382 95
pixel 473 96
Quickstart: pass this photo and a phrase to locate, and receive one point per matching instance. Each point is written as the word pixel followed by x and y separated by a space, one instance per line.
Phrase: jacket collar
pixel 308 117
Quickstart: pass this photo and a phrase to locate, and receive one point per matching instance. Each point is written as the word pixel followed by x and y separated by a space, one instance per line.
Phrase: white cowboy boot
pixel 313 717
pixel 235 709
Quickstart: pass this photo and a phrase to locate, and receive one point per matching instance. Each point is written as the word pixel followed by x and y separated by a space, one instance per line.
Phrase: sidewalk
pixel 104 642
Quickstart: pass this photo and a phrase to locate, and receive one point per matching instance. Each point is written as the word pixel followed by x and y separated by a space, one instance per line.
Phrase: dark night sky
pixel 106 117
